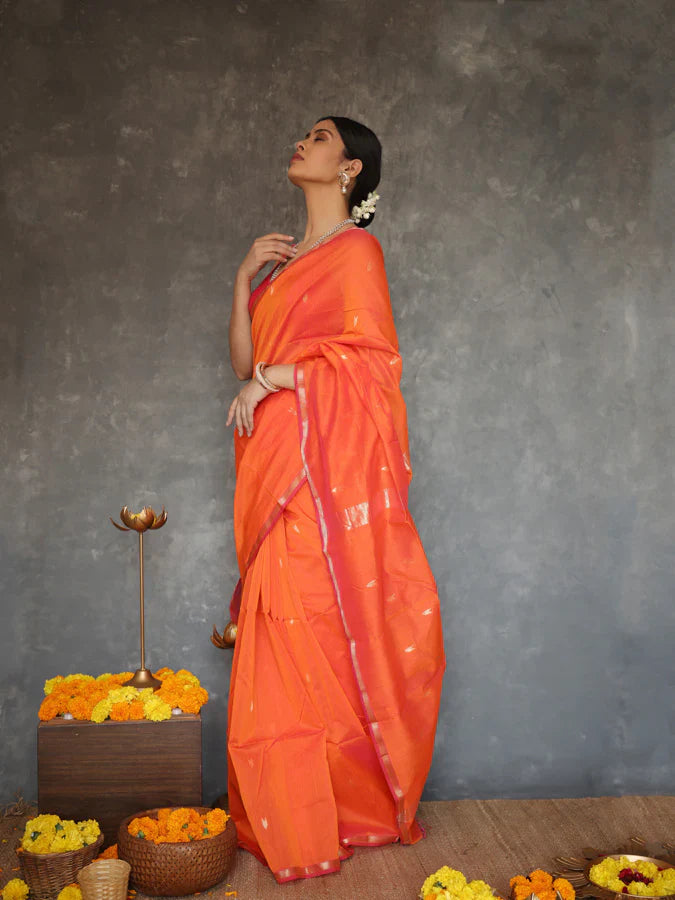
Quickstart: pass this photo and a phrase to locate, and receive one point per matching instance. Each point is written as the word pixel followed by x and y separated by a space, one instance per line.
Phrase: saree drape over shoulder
pixel 339 658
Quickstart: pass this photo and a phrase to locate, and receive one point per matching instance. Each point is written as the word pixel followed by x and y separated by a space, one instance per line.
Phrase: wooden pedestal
pixel 111 770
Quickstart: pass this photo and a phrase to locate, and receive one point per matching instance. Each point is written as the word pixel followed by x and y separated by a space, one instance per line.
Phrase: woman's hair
pixel 360 143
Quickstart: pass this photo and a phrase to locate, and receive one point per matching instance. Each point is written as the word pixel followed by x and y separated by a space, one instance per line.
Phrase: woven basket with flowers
pixel 52 852
pixel 175 851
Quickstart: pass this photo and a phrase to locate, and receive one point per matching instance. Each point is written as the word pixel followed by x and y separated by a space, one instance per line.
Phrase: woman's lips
pixel 296 156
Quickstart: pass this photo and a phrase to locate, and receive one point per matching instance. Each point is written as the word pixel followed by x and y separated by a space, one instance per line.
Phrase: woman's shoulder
pixel 365 241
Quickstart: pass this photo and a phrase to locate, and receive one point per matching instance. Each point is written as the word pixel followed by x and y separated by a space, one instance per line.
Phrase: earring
pixel 344 180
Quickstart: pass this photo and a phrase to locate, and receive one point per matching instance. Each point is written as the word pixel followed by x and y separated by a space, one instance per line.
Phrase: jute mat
pixel 489 839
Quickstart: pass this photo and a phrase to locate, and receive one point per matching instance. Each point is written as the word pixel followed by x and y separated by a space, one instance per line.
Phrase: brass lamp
pixel 146 520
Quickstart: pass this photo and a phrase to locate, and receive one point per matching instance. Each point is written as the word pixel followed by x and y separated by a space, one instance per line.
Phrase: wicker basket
pixel 173 870
pixel 46 874
pixel 104 879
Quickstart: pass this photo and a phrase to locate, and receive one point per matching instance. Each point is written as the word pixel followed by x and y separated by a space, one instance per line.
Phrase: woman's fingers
pixel 231 412
pixel 240 421
pixel 275 234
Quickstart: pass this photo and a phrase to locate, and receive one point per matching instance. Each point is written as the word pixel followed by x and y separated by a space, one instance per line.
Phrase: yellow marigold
pixel 101 711
pixel 15 889
pixel 67 836
pixel 38 833
pixel 444 879
pixel 157 709
pixel 70 892
pixel 90 830
pixel 123 694
pixel 50 684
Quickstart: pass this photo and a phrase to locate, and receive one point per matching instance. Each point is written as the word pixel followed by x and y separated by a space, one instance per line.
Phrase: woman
pixel 338 658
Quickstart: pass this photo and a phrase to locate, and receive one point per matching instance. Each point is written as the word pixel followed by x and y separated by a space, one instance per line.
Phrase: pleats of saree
pixel 304 780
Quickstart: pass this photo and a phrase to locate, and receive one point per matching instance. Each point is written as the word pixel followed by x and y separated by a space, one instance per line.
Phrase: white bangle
pixel 265 382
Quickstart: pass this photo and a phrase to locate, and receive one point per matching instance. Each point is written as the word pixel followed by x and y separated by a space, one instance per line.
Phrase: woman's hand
pixel 241 408
pixel 268 247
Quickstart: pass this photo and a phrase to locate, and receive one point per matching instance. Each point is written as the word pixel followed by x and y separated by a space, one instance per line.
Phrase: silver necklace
pixel 323 237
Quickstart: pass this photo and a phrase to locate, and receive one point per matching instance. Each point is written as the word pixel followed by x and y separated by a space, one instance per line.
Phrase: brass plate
pixel 631 857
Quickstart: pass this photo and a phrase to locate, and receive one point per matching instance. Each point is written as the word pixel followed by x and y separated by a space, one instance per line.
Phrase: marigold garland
pixel 180 825
pixel 450 884
pixel 541 883
pixel 51 834
pixel 636 878
pixel 105 697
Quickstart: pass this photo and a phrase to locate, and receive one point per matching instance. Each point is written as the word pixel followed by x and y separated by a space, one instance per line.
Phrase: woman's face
pixel 320 155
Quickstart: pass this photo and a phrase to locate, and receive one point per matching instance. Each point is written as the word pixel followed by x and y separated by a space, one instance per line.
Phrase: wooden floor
pixel 489 839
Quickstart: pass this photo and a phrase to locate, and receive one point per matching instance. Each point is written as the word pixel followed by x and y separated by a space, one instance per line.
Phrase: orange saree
pixel 338 661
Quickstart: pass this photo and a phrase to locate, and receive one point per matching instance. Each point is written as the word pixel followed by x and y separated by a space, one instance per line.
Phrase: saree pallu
pixel 339 657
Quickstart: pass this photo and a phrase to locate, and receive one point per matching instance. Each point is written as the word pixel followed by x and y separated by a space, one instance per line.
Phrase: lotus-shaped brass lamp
pixel 146 520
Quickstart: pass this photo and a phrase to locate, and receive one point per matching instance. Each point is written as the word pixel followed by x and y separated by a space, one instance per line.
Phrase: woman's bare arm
pixel 269 247
pixel 241 345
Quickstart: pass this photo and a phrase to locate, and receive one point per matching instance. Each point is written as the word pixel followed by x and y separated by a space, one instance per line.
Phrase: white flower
pixel 366 208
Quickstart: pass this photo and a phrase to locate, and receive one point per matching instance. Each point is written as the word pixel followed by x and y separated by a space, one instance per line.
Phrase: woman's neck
pixel 326 207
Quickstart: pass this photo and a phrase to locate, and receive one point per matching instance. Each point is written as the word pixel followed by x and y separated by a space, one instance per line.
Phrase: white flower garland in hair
pixel 366 208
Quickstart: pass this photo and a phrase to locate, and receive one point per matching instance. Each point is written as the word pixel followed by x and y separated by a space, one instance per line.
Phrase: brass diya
pixel 577 869
pixel 146 520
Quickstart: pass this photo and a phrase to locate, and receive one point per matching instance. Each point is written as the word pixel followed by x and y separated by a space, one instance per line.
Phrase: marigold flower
pixel 15 889
pixel 136 709
pixel 119 712
pixel 109 853
pixel 563 886
pixel 70 892
pixel 50 684
pixel 143 827
pixel 101 711
pixel 450 883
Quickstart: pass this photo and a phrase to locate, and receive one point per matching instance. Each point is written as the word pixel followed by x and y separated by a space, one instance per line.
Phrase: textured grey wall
pixel 527 221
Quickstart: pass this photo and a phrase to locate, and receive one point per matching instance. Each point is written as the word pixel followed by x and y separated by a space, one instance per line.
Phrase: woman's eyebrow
pixel 318 130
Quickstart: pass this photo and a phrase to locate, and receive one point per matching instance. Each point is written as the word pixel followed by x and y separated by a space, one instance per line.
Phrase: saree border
pixel 269 522
pixel 266 527
pixel 373 725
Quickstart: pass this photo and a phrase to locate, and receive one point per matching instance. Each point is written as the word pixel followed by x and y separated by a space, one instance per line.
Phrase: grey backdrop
pixel 526 217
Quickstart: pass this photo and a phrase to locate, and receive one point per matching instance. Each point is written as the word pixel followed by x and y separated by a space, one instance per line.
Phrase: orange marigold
pixel 80 708
pixel 523 891
pixel 216 820
pixel 51 707
pixel 109 853
pixel 119 712
pixel 136 710
pixel 567 892
pixel 143 827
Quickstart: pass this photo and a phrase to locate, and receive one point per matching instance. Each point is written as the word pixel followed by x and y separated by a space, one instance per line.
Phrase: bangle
pixel 264 381
pixel 273 386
